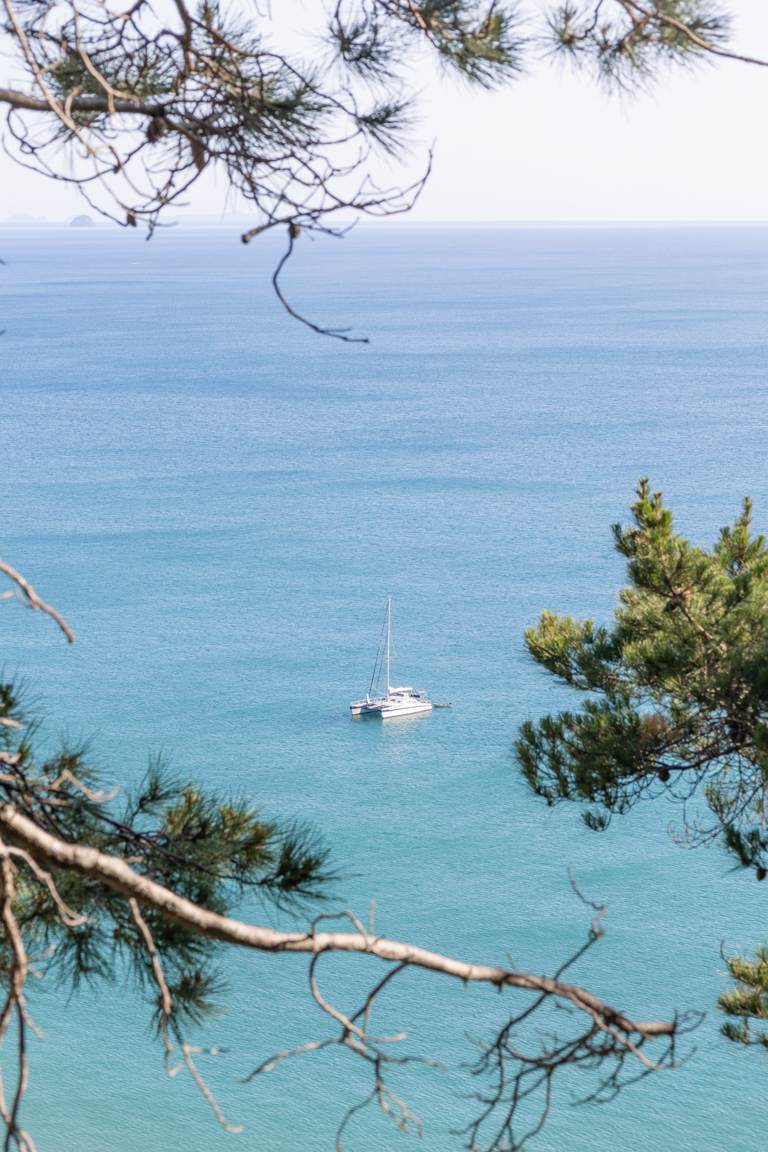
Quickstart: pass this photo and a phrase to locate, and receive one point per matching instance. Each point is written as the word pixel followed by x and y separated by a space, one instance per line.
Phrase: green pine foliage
pixel 674 702
pixel 747 1003
pixel 626 44
pixel 676 690
pixel 132 106
pixel 215 850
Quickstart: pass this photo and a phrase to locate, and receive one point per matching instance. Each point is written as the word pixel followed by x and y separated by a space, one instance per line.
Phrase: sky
pixel 554 147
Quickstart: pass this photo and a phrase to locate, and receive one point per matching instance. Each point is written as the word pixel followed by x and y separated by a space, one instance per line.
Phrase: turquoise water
pixel 220 501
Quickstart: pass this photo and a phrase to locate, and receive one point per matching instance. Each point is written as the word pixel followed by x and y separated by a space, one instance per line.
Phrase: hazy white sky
pixel 554 147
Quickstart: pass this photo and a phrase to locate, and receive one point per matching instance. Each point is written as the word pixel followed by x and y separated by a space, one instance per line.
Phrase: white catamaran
pixel 388 702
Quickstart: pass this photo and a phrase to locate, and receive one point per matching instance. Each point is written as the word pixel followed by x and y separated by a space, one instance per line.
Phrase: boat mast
pixel 389 644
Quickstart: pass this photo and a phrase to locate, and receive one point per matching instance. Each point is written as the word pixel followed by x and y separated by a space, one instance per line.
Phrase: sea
pixel 220 500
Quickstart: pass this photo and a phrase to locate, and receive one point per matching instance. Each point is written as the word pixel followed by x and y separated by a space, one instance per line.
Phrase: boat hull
pixel 391 713
pixel 390 710
pixel 365 707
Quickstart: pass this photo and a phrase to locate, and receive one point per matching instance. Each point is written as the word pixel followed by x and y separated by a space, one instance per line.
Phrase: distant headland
pixel 27 220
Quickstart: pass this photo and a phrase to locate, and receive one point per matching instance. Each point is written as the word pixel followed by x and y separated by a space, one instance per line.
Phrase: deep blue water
pixel 220 501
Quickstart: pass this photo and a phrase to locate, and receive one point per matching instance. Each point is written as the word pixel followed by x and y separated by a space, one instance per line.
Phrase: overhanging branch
pixel 116 874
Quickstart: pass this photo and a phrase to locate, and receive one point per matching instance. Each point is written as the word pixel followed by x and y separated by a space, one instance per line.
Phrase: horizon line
pixel 213 220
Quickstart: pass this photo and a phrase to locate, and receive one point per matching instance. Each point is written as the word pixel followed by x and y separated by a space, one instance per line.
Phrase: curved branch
pixel 116 874
pixel 34 601
pixel 694 37
pixel 338 333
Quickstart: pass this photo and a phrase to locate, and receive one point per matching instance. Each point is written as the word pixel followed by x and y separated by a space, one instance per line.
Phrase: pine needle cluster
pixel 132 104
pixel 214 850
pixel 674 702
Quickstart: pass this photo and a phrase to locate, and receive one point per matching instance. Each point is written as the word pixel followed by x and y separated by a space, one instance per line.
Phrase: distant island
pixel 82 222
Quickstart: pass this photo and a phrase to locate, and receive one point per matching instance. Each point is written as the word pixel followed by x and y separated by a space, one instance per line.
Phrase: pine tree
pixel 674 702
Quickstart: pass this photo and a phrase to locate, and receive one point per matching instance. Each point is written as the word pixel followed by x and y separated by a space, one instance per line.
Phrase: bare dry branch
pixel 14 1006
pixel 34 601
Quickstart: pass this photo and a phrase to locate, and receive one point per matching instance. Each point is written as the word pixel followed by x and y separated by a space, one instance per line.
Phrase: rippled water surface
pixel 220 501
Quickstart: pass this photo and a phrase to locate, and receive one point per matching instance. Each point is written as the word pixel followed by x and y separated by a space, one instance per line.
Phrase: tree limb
pixel 87 104
pixel 36 602
pixel 116 874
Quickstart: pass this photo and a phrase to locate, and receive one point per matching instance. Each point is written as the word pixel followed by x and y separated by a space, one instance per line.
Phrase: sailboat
pixel 389 702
